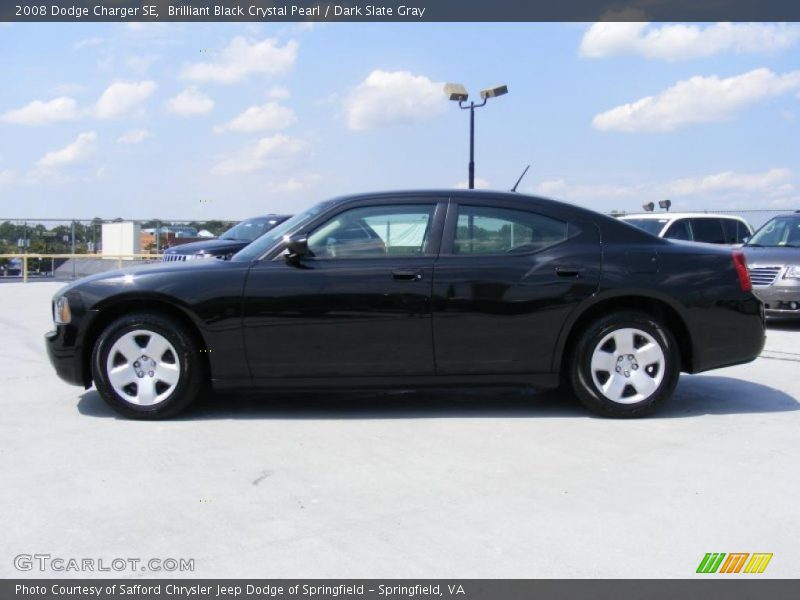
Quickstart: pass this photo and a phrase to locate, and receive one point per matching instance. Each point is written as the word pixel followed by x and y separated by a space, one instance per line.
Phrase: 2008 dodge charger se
pixel 413 289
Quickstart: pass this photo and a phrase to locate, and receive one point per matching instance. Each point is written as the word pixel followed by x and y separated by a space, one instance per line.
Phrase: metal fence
pixel 31 264
pixel 755 216
pixel 37 249
pixel 82 236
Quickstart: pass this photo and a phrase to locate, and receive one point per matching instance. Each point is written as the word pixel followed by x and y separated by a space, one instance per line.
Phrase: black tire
pixel 192 377
pixel 584 384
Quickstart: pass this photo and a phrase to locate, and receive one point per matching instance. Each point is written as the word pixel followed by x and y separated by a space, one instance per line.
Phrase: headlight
pixel 63 314
pixel 792 273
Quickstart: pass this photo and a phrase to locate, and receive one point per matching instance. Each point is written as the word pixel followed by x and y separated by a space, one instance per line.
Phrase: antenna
pixel 514 189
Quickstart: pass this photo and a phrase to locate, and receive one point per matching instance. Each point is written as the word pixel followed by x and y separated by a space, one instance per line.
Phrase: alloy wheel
pixel 628 365
pixel 143 367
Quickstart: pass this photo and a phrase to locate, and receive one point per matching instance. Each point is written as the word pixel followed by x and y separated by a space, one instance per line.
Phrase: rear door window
pixel 495 230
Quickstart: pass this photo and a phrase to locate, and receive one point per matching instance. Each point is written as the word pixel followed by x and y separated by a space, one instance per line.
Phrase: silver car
pixel 773 259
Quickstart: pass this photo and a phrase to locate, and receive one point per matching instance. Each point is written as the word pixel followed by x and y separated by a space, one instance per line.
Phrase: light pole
pixel 458 93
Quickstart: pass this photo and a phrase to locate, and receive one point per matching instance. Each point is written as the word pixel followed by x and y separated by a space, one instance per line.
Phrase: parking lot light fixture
pixel 458 93
pixel 494 92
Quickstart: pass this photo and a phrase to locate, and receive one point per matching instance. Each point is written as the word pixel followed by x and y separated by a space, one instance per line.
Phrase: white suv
pixel 694 227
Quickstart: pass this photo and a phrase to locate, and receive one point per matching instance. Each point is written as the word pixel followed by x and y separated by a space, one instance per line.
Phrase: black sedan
pixel 414 289
pixel 226 245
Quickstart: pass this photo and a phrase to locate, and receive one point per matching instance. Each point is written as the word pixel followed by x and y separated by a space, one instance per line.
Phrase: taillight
pixel 740 264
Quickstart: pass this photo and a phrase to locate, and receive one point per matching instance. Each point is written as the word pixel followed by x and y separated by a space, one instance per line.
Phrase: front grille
pixel 174 257
pixel 763 276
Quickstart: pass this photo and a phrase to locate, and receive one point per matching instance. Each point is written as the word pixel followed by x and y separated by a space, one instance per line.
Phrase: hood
pixel 117 275
pixel 215 247
pixel 771 256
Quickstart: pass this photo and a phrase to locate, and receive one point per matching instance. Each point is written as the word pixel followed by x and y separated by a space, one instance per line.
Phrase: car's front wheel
pixel 147 366
pixel 625 365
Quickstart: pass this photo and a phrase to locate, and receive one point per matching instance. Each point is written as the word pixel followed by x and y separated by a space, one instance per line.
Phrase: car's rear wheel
pixel 625 364
pixel 147 366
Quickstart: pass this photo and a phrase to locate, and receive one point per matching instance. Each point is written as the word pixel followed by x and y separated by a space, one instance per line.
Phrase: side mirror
pixel 745 239
pixel 296 246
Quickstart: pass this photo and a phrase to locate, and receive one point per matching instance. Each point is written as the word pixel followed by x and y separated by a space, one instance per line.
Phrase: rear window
pixel 735 231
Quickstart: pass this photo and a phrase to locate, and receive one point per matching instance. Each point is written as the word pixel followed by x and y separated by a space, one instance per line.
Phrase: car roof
pixel 682 215
pixel 462 194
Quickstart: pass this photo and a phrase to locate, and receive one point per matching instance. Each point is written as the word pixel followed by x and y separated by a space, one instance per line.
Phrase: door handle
pixel 569 271
pixel 407 275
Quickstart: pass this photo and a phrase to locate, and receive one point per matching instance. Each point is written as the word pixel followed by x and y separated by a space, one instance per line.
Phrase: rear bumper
pixel 780 301
pixel 65 356
pixel 725 338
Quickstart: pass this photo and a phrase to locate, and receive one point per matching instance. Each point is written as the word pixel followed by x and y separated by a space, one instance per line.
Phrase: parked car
pixel 13 267
pixel 773 257
pixel 228 244
pixel 179 231
pixel 694 227
pixel 413 289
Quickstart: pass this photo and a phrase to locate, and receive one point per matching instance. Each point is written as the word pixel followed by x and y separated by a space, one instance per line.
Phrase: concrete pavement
pixel 456 483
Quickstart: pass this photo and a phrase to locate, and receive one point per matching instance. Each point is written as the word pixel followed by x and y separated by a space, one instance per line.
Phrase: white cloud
pixel 480 184
pixel 84 146
pixel 190 101
pixel 278 92
pixel 37 112
pixel 773 181
pixel 393 97
pixel 678 41
pixel 241 58
pixel 7 177
pixel 294 184
pixel 122 98
pixel 134 136
pixel 697 100
pixel 257 118
pixel 267 152
pixel 733 188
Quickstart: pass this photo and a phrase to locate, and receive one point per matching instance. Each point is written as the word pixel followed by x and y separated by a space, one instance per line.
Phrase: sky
pixel 230 120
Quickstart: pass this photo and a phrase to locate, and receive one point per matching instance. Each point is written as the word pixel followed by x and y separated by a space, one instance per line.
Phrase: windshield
pixel 653 226
pixel 249 229
pixel 780 231
pixel 265 242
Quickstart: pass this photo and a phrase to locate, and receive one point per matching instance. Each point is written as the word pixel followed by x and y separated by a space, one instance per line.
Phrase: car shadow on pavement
pixel 783 324
pixel 695 395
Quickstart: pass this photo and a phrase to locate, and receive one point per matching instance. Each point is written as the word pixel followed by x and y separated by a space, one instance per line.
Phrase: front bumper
pixel 65 356
pixel 780 301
